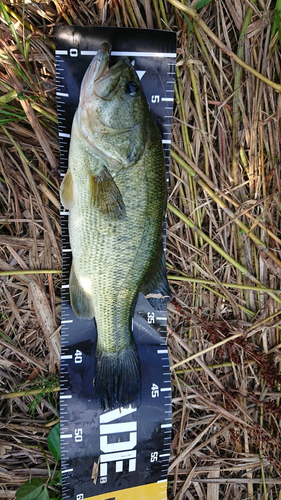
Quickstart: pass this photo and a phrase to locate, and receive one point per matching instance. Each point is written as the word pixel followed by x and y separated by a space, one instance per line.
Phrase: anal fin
pixel 156 284
pixel 81 303
pixel 105 195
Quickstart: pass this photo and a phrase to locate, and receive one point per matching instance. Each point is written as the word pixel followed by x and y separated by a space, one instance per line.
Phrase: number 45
pixel 154 391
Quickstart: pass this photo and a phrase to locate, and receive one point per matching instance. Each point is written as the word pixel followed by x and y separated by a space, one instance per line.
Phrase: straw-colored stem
pixel 30 271
pixel 157 13
pixel 216 247
pixel 44 112
pixel 229 213
pixel 132 14
pixel 264 321
pixel 187 148
pixel 61 9
pixel 245 309
pixel 194 15
pixel 261 456
pixel 18 17
pixel 163 12
pixel 226 285
pixel 216 366
pixel 237 83
pixel 12 27
pixel 32 392
pixel 52 423
pixel 181 187
pixel 200 115
pixel 208 349
pixel 209 183
pixel 211 67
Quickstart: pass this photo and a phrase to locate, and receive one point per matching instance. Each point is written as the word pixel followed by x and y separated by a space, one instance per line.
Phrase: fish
pixel 116 192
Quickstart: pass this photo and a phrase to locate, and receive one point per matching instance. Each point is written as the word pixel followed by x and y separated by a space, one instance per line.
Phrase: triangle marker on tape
pixel 140 74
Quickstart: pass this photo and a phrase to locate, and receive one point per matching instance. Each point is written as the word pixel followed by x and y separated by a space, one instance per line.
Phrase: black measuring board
pixel 123 453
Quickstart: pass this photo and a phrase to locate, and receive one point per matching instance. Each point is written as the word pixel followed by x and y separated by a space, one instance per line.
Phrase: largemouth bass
pixel 115 190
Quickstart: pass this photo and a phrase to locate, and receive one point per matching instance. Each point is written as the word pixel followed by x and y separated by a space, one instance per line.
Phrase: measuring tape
pixel 123 453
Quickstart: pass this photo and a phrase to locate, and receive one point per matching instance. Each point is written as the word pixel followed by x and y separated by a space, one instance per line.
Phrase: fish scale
pixel 140 472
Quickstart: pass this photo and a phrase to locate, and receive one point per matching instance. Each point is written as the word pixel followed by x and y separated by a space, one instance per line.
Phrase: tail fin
pixel 118 378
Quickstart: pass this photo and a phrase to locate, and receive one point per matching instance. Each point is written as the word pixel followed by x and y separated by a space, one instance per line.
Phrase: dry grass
pixel 224 241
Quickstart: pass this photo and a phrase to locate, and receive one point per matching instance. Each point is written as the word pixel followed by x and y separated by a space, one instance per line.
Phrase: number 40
pixel 77 357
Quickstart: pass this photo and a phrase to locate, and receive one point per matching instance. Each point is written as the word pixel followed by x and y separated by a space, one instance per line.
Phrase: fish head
pixel 113 110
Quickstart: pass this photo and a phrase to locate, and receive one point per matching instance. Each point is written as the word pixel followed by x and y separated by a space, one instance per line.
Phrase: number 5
pixel 155 98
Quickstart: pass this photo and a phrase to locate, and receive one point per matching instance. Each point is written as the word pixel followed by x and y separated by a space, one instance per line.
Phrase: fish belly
pixel 110 258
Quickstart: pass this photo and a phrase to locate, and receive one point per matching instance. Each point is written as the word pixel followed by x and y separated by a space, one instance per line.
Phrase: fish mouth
pixel 107 79
pixel 100 79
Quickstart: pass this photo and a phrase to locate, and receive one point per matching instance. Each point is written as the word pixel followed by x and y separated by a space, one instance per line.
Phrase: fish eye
pixel 132 88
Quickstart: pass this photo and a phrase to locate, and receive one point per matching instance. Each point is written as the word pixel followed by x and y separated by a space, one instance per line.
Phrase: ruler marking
pixel 165 389
pixel 130 54
pixel 66 436
pixel 162 351
pixel 67 356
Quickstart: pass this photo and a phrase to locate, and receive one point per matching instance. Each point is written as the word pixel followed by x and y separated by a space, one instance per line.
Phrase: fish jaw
pixel 98 66
pixel 106 86
pixel 99 79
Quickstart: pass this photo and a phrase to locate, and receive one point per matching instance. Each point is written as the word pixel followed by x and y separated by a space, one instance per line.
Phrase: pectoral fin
pixel 105 195
pixel 66 191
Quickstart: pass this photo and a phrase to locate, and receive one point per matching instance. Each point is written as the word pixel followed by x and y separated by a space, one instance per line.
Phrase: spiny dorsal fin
pixel 66 191
pixel 105 195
